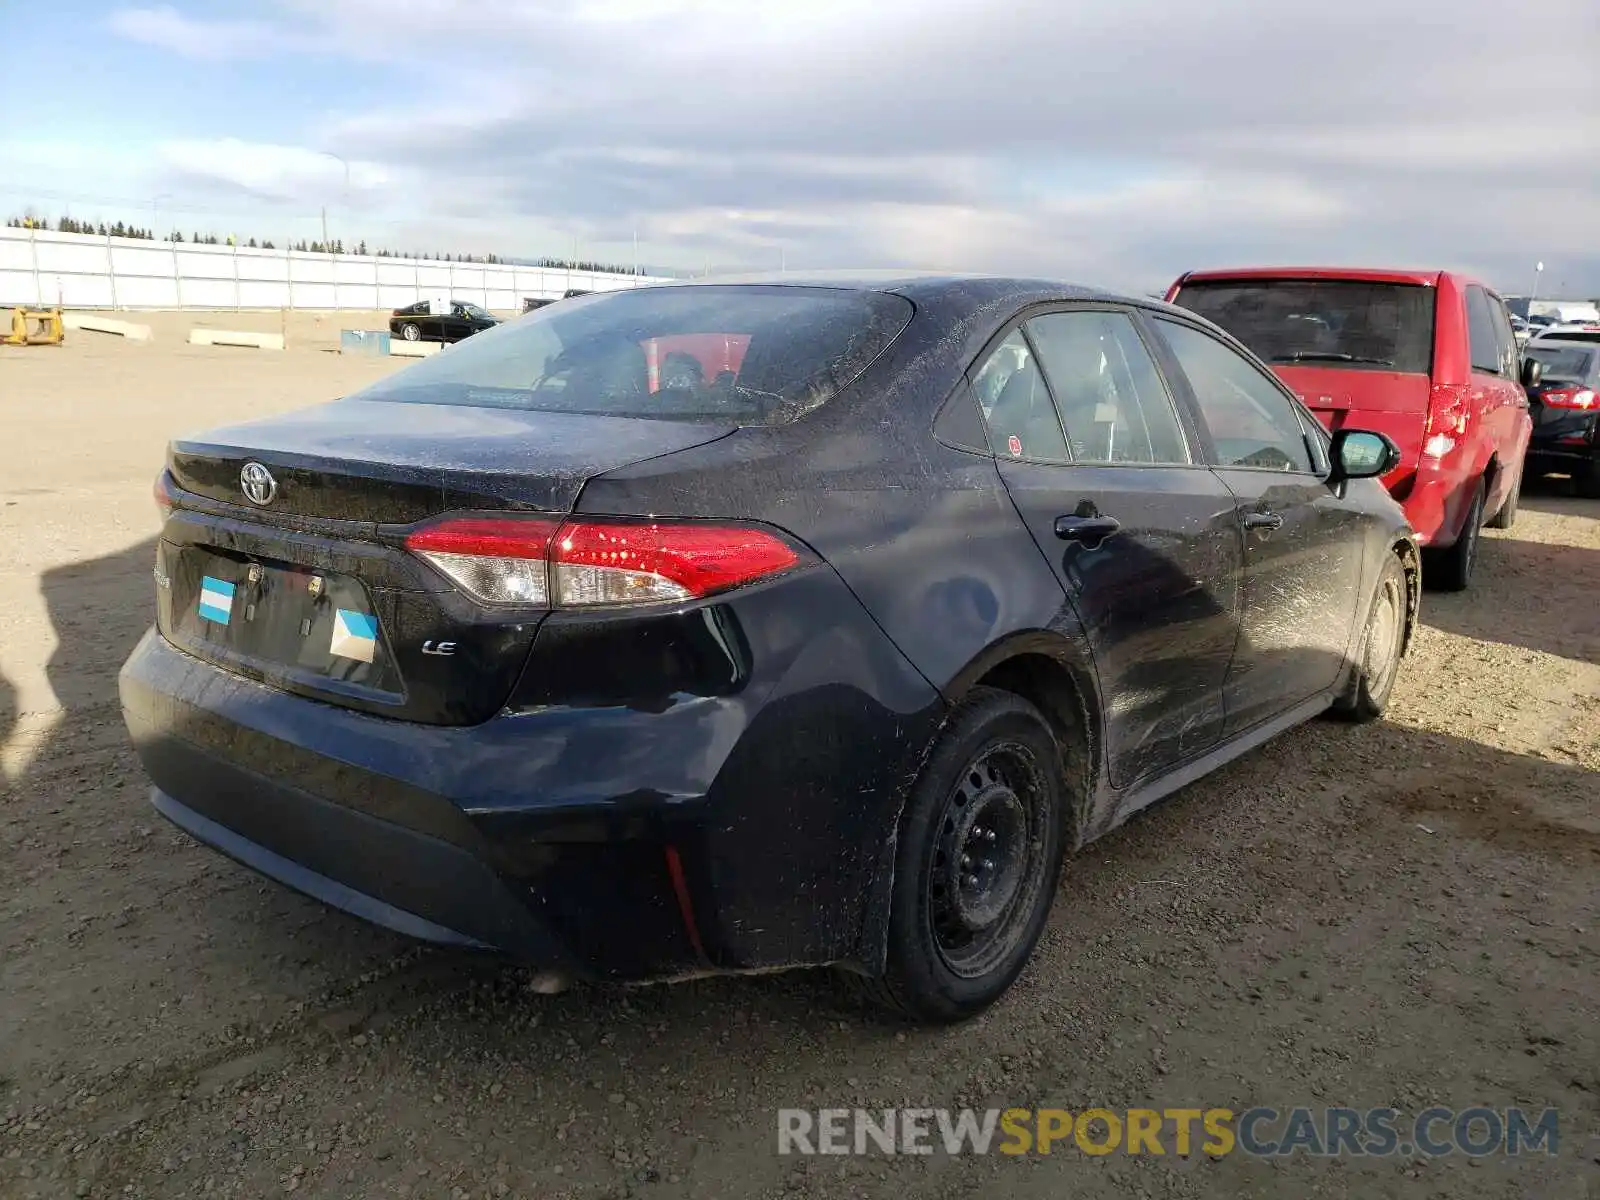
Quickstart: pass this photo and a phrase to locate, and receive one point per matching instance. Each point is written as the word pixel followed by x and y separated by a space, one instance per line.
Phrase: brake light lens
pixel 1439 445
pixel 163 496
pixel 589 562
pixel 1578 398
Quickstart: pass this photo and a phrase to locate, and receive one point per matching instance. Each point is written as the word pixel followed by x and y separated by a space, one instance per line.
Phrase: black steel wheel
pixel 977 861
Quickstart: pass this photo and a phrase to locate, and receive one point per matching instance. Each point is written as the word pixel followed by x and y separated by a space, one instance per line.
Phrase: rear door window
pixel 1356 324
pixel 1016 403
pixel 1484 339
pixel 1509 354
pixel 1111 398
pixel 1252 423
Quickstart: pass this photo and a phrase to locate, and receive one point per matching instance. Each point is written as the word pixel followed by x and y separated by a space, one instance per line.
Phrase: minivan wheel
pixel 1451 570
pixel 1507 516
pixel 411 332
pixel 1378 659
pixel 977 861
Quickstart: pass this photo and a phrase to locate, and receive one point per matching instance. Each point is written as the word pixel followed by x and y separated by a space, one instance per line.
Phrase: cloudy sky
pixel 1111 141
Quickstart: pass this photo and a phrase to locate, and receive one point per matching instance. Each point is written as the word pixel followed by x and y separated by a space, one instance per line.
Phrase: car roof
pixel 938 285
pixel 1423 278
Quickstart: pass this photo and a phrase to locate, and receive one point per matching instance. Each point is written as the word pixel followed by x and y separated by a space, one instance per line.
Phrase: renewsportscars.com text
pixel 1260 1132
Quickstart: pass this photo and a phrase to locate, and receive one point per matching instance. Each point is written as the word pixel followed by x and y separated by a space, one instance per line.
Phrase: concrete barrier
pixel 93 324
pixel 235 337
pixel 399 348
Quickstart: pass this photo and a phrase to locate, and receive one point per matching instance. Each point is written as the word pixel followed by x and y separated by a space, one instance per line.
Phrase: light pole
pixel 1538 270
pixel 342 160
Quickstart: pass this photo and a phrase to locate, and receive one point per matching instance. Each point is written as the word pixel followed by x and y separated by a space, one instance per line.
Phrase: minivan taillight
pixel 591 561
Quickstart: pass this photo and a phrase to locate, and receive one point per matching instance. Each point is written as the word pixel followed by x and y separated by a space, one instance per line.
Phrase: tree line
pixel 121 230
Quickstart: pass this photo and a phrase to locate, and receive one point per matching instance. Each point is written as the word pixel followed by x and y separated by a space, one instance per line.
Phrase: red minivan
pixel 1427 357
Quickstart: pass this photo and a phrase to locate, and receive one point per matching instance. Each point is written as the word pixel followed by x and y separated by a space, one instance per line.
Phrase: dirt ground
pixel 1402 914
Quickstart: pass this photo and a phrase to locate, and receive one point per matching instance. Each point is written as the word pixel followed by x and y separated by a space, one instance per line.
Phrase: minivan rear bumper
pixel 1436 502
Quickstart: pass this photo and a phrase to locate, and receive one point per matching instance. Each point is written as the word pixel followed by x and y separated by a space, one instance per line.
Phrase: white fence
pixel 76 270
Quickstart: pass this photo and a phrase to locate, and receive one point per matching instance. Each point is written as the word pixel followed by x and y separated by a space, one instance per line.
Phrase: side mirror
pixel 1360 454
pixel 1532 372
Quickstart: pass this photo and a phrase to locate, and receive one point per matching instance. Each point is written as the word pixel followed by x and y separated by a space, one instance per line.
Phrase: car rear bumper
pixel 405 836
pixel 1564 441
pixel 727 831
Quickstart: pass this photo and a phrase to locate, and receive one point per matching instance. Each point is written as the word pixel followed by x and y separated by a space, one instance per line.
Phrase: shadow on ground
pixel 1539 595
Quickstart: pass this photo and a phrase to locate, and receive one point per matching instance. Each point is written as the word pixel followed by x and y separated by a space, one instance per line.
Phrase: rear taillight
pixel 163 496
pixel 1576 398
pixel 586 562
pixel 1438 446
pixel 500 560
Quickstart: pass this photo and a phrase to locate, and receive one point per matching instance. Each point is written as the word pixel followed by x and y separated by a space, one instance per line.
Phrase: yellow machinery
pixel 34 327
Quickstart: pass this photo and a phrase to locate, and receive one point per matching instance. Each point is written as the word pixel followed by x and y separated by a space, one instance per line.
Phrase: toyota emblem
pixel 258 484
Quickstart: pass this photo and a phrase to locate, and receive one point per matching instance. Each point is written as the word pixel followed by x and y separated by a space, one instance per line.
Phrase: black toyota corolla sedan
pixel 726 626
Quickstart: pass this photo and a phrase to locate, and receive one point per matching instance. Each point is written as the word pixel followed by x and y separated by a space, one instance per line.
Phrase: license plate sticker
pixel 216 600
pixel 355 635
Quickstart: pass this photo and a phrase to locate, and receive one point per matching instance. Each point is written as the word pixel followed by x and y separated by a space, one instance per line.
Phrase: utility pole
pixel 325 228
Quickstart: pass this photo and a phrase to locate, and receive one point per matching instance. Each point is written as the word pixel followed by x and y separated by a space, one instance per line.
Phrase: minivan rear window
pixel 1332 322
pixel 745 354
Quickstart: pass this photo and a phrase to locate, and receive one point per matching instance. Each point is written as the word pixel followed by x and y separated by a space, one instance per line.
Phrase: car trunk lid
pixel 313 591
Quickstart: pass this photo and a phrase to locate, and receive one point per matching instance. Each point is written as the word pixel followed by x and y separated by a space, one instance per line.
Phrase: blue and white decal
pixel 216 600
pixel 355 635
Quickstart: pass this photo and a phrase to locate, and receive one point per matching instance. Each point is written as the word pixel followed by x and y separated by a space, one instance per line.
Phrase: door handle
pixel 1090 531
pixel 1263 520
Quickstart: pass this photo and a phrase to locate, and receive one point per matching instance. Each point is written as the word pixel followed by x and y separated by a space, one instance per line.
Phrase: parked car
pixel 825 651
pixel 1569 331
pixel 1427 357
pixel 419 323
pixel 1520 329
pixel 1565 403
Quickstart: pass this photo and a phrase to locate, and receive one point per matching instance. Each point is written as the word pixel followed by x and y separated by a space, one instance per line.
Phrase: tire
pixel 994 781
pixel 1378 659
pixel 411 332
pixel 1451 570
pixel 1586 482
pixel 1507 516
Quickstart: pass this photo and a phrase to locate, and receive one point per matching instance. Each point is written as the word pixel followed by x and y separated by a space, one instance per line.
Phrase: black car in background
pixel 828 651
pixel 419 323
pixel 1565 405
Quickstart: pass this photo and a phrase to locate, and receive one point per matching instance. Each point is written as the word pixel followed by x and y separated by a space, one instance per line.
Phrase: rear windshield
pixel 741 353
pixel 1367 326
pixel 1571 363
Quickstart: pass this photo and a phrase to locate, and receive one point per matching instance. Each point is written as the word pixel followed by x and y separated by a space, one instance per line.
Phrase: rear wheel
pixel 1378 660
pixel 1507 516
pixel 411 332
pixel 1451 570
pixel 976 866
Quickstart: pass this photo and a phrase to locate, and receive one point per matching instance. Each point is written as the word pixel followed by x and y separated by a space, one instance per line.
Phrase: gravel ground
pixel 1399 914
